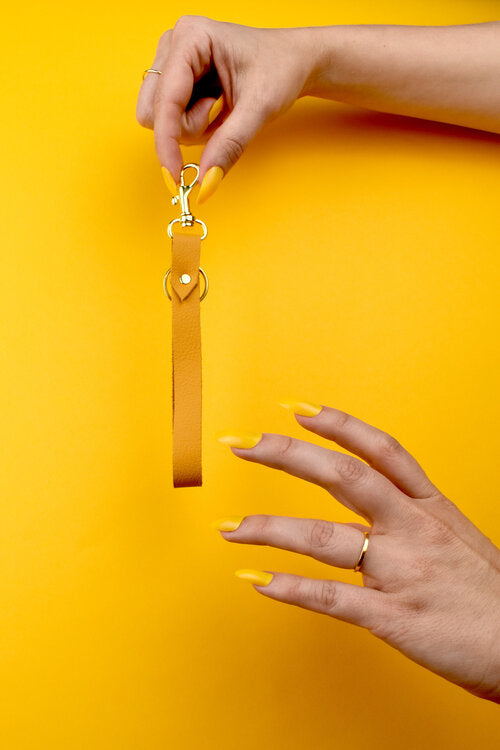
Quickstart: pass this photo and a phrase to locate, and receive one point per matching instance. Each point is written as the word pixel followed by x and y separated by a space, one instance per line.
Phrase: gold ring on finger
pixel 150 70
pixel 362 554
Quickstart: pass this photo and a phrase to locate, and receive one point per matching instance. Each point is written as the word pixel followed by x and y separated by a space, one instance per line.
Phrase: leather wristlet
pixel 186 343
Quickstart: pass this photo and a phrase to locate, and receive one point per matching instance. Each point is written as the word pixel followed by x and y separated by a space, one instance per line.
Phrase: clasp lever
pixel 187 217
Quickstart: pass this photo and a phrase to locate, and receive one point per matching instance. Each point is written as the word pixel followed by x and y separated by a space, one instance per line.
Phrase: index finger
pixel 172 95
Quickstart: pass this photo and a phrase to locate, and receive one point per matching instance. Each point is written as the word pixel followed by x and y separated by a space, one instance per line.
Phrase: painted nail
pixel 301 407
pixel 210 183
pixel 260 577
pixel 216 109
pixel 169 181
pixel 240 439
pixel 227 523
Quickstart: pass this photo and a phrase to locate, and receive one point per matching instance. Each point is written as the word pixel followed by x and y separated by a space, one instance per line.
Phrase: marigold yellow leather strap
pixel 186 360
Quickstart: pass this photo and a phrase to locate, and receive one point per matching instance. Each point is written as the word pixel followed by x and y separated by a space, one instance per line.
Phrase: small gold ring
pixel 205 291
pixel 150 70
pixel 199 221
pixel 362 554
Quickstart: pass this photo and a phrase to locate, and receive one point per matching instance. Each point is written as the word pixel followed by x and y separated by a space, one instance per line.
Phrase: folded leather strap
pixel 186 360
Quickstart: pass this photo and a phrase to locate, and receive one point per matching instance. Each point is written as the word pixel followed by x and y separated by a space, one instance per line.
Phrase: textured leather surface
pixel 186 361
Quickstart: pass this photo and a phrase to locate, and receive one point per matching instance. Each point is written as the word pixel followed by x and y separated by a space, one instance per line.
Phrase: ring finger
pixel 337 544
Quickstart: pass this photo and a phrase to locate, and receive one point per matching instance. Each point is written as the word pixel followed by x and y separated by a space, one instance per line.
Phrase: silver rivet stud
pixel 185 278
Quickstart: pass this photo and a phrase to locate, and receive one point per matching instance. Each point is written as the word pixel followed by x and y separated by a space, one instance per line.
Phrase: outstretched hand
pixel 431 578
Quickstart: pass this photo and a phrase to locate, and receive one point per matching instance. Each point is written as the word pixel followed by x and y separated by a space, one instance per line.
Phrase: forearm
pixel 445 73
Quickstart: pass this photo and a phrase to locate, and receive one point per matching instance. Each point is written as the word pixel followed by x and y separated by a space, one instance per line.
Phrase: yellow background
pixel 353 261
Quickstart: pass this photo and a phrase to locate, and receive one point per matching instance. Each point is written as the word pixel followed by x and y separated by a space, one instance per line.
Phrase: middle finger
pixel 355 484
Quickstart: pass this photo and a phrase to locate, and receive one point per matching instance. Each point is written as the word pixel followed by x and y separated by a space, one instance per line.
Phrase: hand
pixel 443 73
pixel 260 72
pixel 431 578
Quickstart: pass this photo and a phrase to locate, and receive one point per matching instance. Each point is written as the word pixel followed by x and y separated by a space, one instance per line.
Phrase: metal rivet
pixel 185 278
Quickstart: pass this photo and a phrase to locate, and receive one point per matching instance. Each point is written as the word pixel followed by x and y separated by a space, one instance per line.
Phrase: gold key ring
pixel 205 291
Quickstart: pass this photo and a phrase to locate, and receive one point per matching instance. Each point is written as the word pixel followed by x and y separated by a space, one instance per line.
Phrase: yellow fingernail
pixel 169 181
pixel 239 439
pixel 215 109
pixel 260 577
pixel 301 407
pixel 210 183
pixel 227 523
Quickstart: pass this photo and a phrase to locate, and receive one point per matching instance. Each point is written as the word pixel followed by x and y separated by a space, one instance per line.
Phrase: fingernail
pixel 260 577
pixel 303 408
pixel 227 523
pixel 215 109
pixel 169 181
pixel 240 439
pixel 210 183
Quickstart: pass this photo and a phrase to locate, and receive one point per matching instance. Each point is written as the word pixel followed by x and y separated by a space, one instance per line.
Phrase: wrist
pixel 321 52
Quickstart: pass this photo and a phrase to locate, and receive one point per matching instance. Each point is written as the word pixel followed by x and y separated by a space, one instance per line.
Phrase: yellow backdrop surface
pixel 353 261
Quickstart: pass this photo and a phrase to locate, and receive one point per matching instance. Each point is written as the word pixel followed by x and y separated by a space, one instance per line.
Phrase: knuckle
pixel 139 116
pixel 232 149
pixel 388 446
pixel 423 568
pixel 446 504
pixel 144 117
pixel 327 595
pixel 185 20
pixel 165 37
pixel 350 469
pixel 284 446
pixel 188 20
pixel 340 418
pixel 263 524
pixel 319 534
pixel 295 590
pixel 190 121
pixel 436 530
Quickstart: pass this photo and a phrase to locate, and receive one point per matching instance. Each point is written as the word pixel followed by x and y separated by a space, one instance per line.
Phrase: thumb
pixel 227 143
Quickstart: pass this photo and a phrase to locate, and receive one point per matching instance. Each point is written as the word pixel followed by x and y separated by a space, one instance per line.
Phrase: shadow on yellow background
pixel 353 261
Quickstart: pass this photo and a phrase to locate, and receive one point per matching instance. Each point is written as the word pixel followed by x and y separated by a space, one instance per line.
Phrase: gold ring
pixel 150 70
pixel 362 554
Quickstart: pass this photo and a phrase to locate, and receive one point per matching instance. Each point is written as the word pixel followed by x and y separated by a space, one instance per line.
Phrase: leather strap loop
pixel 186 360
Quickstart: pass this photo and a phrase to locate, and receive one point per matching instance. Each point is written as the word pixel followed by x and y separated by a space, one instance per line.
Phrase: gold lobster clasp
pixel 186 219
